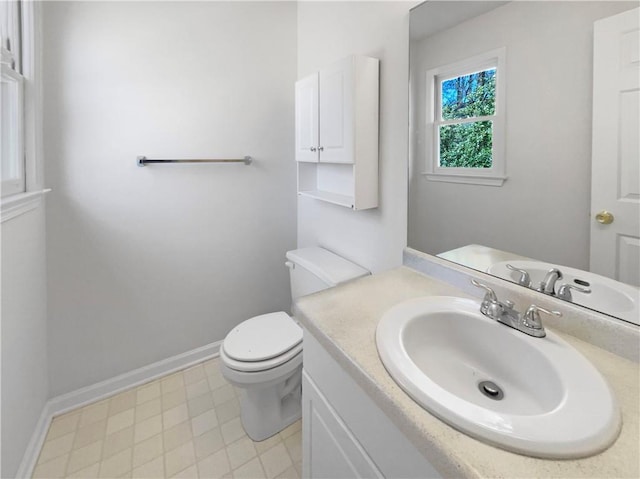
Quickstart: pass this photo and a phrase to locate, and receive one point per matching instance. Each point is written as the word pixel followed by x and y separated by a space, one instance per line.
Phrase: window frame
pixel 30 67
pixel 494 176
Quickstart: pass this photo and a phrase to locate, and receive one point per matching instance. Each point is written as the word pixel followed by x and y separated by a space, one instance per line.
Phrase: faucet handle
pixel 564 292
pixel 490 294
pixel 531 319
pixel 525 279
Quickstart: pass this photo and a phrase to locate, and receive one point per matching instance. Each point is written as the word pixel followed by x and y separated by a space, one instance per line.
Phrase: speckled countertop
pixel 344 321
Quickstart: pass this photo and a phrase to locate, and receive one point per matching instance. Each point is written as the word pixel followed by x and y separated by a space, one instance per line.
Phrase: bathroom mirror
pixel 500 156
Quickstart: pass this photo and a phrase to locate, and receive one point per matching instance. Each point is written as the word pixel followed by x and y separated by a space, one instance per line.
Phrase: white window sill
pixel 467 179
pixel 16 205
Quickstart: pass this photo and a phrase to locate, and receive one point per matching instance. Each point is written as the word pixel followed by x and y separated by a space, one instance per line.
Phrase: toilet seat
pixel 256 366
pixel 262 342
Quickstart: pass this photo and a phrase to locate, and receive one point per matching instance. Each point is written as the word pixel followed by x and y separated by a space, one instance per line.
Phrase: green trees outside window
pixel 466 140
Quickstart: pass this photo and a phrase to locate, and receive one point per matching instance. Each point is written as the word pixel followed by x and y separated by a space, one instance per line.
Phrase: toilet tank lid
pixel 328 266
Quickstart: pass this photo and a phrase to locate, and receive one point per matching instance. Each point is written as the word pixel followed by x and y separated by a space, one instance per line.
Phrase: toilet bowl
pixel 268 367
pixel 263 355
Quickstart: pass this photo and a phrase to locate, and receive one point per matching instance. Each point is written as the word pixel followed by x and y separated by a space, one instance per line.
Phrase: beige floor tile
pixel 268 443
pixel 84 457
pixel 214 466
pixel 116 465
pixel 290 473
pixel 120 421
pixel 240 452
pixel 56 447
pixel 172 382
pixel 147 428
pixel 250 470
pixel 238 391
pixel 298 466
pixel 177 435
pixel 204 422
pixel 175 416
pixel 147 450
pixel 178 459
pixel 148 392
pixel 208 443
pixel 216 381
pixel 190 472
pixel 63 425
pixel 52 469
pixel 276 460
pixel 194 374
pixel 148 409
pixel 211 366
pixel 291 429
pixel 197 389
pixel 151 470
pixel 90 472
pixel 118 441
pixel 228 410
pixel 294 446
pixel 122 401
pixel 232 431
pixel 223 394
pixel 173 398
pixel 200 404
pixel 94 413
pixel 91 433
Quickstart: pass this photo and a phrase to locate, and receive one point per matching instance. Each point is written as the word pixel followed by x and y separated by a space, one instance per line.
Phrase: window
pixel 12 100
pixel 465 121
pixel 20 109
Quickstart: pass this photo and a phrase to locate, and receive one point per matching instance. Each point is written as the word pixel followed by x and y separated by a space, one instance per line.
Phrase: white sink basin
pixel 613 297
pixel 556 404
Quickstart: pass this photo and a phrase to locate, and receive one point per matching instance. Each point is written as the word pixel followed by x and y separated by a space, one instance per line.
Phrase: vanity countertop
pixel 344 321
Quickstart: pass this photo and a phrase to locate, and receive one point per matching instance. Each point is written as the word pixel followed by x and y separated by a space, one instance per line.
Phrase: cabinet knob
pixel 321 148
pixel 313 148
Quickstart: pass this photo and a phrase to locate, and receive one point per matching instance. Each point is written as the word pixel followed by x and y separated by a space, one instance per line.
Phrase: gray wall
pixel 146 263
pixel 542 210
pixel 24 334
pixel 329 31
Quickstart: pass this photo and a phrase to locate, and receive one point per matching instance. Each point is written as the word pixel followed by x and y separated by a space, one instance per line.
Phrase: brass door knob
pixel 604 217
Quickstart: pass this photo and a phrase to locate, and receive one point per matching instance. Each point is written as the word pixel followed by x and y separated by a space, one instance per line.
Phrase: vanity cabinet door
pixel 330 449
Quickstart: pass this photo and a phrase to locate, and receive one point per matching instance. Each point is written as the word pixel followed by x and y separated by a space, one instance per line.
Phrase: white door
pixel 337 112
pixel 615 186
pixel 307 119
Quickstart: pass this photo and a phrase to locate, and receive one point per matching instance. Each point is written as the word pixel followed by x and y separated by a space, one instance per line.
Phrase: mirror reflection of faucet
pixel 548 284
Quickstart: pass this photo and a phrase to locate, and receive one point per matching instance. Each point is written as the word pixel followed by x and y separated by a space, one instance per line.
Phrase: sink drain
pixel 491 390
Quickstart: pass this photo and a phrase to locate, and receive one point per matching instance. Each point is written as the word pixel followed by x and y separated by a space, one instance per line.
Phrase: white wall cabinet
pixel 337 133
pixel 344 433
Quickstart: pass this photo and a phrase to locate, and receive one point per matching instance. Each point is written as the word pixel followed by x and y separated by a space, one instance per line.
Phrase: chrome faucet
pixel 564 291
pixel 525 278
pixel 503 312
pixel 548 284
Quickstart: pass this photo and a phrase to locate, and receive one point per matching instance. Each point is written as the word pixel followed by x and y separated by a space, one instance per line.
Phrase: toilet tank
pixel 314 269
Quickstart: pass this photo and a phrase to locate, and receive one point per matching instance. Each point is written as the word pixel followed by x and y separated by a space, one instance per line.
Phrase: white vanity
pixel 357 422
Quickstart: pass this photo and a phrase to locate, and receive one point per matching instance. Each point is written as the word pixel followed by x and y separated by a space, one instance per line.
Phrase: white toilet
pixel 263 355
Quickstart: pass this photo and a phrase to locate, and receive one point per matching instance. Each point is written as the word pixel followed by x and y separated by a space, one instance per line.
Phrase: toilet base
pixel 265 411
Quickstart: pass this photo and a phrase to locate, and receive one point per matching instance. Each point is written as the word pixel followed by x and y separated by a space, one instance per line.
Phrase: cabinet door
pixel 307 119
pixel 337 112
pixel 330 449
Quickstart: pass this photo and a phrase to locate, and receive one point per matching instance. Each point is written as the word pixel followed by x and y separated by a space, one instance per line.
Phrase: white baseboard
pixel 89 394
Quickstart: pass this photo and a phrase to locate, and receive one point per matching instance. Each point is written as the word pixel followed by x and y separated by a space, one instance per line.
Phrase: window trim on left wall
pixel 14 205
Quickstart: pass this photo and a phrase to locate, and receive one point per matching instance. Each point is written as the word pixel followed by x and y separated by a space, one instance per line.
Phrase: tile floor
pixel 184 425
